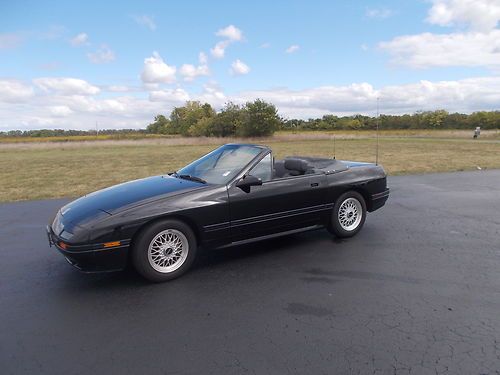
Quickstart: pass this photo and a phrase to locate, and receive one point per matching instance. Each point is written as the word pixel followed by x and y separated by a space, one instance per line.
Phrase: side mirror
pixel 247 181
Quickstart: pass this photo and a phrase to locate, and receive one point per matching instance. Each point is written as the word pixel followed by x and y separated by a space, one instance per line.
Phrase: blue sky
pixel 68 64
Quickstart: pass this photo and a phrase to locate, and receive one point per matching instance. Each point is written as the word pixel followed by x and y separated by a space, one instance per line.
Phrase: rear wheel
pixel 164 250
pixel 348 215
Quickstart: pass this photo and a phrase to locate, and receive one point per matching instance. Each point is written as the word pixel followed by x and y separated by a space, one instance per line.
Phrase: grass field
pixel 70 169
pixel 464 134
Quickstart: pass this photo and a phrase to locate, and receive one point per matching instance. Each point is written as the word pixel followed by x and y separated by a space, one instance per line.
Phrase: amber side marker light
pixel 111 244
pixel 62 245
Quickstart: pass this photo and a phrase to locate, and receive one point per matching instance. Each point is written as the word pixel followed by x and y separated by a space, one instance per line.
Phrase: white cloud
pixel 174 96
pixel 230 32
pixel 150 86
pixel 125 107
pixel 293 48
pixel 190 72
pixel 116 112
pixel 265 45
pixel 378 13
pixel 103 55
pixel 219 49
pixel 456 49
pixel 479 15
pixel 117 88
pixel 238 67
pixel 79 40
pixel 157 71
pixel 10 40
pixel 202 58
pixel 463 96
pixel 66 86
pixel 213 94
pixel 70 103
pixel 113 106
pixel 146 21
pixel 325 98
pixel 60 110
pixel 13 91
pixel 479 45
pixel 121 88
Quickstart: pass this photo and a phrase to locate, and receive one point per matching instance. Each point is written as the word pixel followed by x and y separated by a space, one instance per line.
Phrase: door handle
pixel 314 184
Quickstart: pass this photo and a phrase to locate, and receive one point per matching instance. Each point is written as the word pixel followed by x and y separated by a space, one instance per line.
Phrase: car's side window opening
pixel 263 169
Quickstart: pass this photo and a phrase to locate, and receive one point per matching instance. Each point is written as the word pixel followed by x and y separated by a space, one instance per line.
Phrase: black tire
pixel 174 232
pixel 349 200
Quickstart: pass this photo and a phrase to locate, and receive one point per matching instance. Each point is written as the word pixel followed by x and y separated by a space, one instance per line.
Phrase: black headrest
pixel 298 165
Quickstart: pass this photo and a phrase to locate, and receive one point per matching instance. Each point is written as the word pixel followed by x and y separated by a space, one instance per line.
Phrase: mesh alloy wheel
pixel 164 250
pixel 168 251
pixel 350 214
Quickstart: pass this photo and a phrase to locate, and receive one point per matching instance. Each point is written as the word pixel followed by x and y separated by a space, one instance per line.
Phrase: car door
pixel 278 205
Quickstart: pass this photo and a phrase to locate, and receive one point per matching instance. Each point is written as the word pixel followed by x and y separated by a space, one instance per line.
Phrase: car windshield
pixel 220 165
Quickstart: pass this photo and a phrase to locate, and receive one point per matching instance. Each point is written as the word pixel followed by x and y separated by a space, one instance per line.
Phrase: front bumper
pixel 92 257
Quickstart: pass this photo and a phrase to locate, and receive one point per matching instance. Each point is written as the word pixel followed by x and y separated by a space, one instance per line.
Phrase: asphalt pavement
pixel 417 291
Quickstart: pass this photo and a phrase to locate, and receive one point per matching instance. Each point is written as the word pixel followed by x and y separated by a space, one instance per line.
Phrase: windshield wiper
pixel 191 178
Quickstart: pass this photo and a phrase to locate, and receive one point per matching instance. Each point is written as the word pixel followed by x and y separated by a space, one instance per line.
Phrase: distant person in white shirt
pixel 477 132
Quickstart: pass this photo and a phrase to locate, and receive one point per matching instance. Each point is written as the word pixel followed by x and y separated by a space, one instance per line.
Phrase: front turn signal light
pixel 111 244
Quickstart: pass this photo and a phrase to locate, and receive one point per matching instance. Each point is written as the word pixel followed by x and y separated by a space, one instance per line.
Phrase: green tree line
pixel 259 118
pixel 64 133
pixel 439 119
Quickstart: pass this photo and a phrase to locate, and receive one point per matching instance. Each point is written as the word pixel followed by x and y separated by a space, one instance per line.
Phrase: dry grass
pixel 51 170
pixel 79 138
pixel 124 139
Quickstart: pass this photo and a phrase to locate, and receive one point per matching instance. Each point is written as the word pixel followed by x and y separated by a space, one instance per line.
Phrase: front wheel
pixel 164 250
pixel 348 215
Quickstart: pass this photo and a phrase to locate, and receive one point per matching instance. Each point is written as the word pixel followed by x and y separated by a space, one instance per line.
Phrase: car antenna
pixel 377 125
pixel 334 147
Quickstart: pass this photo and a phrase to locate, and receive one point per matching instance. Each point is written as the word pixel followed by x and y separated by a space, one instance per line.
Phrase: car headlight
pixel 66 235
pixel 57 225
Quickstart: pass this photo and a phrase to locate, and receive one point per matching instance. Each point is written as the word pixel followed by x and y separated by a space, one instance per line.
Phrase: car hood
pixel 116 198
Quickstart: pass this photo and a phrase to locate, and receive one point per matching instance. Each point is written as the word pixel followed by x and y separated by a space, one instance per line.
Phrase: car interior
pixel 292 167
pixel 301 165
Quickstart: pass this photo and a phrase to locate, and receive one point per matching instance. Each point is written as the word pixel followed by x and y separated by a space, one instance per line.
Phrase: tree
pixel 227 121
pixel 292 124
pixel 183 118
pixel 435 119
pixel 159 126
pixel 201 128
pixel 486 120
pixel 260 119
pixel 329 122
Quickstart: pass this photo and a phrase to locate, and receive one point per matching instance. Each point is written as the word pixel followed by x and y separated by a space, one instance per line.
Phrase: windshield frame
pixel 264 150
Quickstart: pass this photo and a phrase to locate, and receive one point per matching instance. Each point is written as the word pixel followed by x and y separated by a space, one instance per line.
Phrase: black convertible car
pixel 235 194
